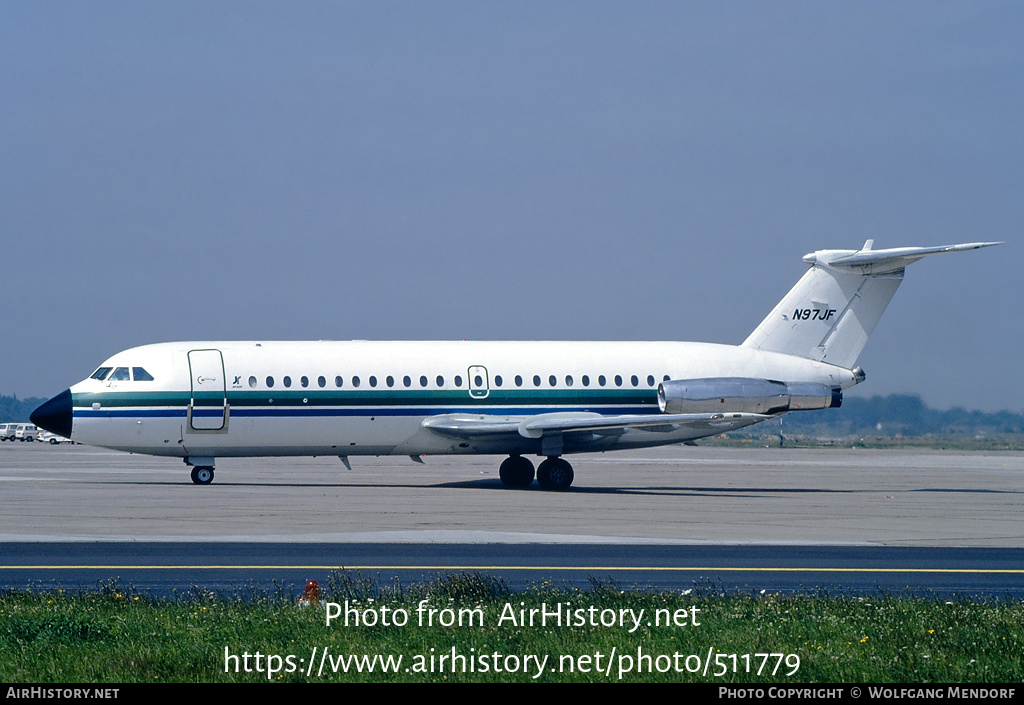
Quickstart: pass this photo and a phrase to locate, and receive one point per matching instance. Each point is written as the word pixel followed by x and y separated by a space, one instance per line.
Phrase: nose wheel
pixel 202 475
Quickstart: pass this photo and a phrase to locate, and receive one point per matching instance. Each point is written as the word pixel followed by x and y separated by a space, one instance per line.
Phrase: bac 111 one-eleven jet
pixel 203 400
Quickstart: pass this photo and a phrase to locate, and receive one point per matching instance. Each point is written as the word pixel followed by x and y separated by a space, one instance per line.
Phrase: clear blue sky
pixel 513 170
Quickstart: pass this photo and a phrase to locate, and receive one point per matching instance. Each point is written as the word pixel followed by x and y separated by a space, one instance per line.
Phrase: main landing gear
pixel 516 472
pixel 555 474
pixel 202 475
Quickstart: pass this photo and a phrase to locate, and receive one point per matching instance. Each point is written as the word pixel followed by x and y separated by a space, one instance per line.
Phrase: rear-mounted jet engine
pixel 744 395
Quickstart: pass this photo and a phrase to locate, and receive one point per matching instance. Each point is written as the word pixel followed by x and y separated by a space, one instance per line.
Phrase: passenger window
pixel 635 380
pixel 140 375
pixel 536 380
pixel 519 381
pixel 650 380
pixel 586 381
pixel 497 380
pixel 458 380
pixel 252 382
pixel 390 381
pixel 373 380
pixel 423 380
pixel 355 381
pixel 601 380
pixel 568 380
pixel 338 381
pixel 618 380
pixel 101 373
pixel 321 381
pixel 666 378
pixel 440 381
pixel 407 381
pixel 287 381
pixel 304 381
pixel 552 380
pixel 120 375
pixel 270 381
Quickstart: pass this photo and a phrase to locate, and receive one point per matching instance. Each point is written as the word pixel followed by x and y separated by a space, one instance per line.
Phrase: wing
pixel 480 426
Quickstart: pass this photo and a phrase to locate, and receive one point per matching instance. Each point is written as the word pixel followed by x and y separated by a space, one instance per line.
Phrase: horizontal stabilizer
pixel 895 259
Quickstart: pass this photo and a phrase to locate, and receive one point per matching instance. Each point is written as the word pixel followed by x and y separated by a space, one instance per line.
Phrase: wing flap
pixel 538 426
pixel 474 426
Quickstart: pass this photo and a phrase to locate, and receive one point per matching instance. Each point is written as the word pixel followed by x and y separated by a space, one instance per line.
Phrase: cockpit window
pixel 120 375
pixel 101 373
pixel 140 375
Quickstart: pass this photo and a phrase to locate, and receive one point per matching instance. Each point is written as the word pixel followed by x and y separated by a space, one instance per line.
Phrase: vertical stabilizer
pixel 835 306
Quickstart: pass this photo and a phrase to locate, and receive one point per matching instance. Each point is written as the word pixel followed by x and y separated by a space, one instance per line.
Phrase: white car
pixel 52 438
pixel 7 431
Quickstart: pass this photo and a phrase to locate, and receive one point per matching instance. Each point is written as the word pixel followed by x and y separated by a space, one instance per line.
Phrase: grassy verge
pixel 114 635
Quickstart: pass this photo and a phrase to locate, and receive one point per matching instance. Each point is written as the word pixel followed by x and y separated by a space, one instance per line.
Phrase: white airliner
pixel 203 400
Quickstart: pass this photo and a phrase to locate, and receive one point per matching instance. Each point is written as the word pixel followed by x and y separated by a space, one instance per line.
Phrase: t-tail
pixel 835 306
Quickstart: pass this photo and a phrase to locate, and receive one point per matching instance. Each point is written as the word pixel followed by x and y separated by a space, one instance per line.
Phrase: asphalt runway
pixel 164 568
pixel 740 518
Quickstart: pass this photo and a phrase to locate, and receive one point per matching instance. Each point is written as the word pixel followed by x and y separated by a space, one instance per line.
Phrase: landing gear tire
pixel 516 472
pixel 555 474
pixel 202 475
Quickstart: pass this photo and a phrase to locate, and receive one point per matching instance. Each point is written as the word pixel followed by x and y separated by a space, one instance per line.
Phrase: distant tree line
pixel 13 409
pixel 899 414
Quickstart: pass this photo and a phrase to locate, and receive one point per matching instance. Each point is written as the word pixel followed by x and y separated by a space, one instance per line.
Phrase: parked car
pixel 7 431
pixel 26 432
pixel 52 438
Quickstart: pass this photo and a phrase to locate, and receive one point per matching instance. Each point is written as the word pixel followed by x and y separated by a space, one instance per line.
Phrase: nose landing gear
pixel 202 475
pixel 202 469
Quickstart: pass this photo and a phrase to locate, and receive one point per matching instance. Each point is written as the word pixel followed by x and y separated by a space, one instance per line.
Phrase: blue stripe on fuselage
pixel 360 411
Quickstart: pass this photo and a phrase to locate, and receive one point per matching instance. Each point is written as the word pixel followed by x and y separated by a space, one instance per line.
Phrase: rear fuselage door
pixel 208 408
pixel 478 383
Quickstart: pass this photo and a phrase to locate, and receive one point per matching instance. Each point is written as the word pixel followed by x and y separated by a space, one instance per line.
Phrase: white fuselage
pixel 220 399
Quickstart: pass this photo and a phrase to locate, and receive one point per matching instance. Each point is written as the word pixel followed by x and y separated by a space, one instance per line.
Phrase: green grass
pixel 115 635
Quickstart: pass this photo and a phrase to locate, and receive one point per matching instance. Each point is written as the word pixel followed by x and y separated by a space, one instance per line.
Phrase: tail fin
pixel 835 306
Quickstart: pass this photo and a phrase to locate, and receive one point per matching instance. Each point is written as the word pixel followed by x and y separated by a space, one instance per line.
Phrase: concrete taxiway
pixel 675 494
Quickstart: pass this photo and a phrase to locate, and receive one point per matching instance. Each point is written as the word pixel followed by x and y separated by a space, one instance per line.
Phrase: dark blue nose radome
pixel 55 415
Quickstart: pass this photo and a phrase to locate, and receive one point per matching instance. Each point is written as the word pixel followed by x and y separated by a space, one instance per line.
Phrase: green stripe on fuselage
pixel 383 397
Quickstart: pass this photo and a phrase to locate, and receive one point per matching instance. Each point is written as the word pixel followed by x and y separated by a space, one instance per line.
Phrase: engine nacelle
pixel 744 395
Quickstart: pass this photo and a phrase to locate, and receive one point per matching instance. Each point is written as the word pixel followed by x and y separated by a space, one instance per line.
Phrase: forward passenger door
pixel 208 407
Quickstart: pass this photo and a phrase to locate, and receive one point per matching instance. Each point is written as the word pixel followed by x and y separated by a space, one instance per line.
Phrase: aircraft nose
pixel 55 415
